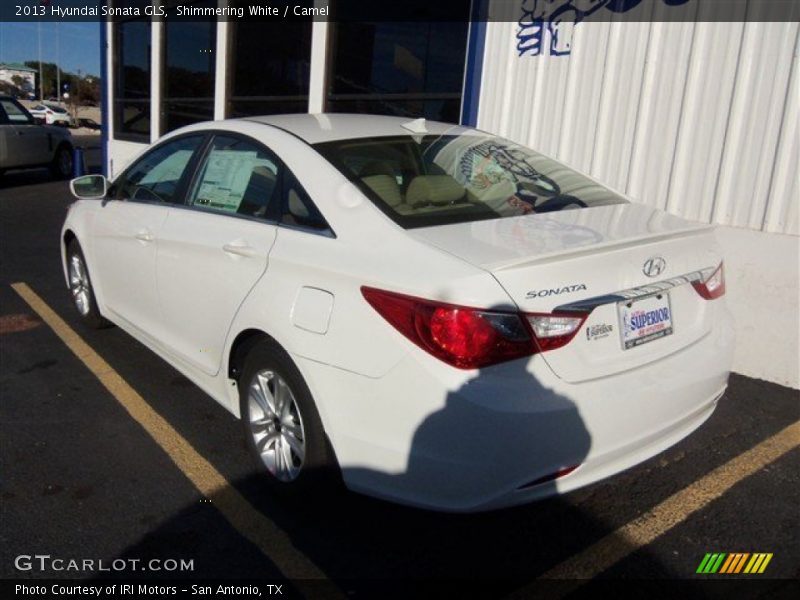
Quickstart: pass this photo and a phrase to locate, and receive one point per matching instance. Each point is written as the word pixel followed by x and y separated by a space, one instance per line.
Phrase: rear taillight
pixel 470 338
pixel 713 286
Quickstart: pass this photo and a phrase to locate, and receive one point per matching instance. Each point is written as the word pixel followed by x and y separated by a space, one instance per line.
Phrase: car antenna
pixel 417 127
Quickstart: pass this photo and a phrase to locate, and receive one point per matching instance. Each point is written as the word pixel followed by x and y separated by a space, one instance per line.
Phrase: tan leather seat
pixel 379 176
pixel 385 187
pixel 433 189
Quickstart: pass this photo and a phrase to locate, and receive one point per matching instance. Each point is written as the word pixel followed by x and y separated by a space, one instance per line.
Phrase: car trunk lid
pixel 594 259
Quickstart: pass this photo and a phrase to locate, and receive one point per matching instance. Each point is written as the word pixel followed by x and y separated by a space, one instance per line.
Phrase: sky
pixel 76 44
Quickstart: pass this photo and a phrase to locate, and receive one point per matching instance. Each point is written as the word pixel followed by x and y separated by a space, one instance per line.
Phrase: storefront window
pixel 407 69
pixel 132 80
pixel 189 66
pixel 269 67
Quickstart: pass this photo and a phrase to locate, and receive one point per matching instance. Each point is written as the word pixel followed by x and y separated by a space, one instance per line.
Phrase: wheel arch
pixel 67 237
pixel 244 341
pixel 63 144
pixel 241 346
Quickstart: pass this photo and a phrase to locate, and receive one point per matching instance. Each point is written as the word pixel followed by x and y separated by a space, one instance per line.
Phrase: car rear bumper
pixel 431 436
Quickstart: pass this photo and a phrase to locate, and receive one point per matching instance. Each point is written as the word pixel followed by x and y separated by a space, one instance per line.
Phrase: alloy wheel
pixel 276 425
pixel 79 284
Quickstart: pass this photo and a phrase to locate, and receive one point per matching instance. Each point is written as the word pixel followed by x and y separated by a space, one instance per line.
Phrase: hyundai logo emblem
pixel 653 267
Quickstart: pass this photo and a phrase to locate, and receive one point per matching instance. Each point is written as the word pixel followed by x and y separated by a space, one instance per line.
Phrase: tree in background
pixel 19 82
pixel 49 77
pixel 8 89
pixel 84 90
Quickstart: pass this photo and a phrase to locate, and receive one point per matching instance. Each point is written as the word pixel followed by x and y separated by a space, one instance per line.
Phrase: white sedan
pixel 51 114
pixel 433 314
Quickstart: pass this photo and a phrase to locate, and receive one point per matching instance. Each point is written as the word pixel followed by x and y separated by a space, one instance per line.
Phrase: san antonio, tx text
pixel 253 10
pixel 128 589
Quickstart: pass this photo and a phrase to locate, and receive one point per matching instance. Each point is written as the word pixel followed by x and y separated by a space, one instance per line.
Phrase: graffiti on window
pixel 547 26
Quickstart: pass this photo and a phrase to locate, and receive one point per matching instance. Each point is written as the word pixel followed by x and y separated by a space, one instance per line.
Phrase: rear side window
pixel 156 177
pixel 297 208
pixel 237 177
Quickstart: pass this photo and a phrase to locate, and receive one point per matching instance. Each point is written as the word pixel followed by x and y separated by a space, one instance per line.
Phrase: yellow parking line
pixel 273 542
pixel 674 510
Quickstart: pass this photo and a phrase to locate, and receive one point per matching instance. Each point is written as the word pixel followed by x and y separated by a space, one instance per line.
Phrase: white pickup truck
pixel 24 144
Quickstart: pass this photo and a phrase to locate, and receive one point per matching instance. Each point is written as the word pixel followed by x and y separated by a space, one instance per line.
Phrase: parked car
pixel 439 316
pixel 26 144
pixel 88 123
pixel 51 114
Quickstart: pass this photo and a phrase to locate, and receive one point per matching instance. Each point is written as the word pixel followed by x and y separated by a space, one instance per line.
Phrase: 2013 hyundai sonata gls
pixel 445 318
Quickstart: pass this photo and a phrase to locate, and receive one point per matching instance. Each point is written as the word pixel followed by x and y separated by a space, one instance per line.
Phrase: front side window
pixel 237 177
pixel 159 174
pixel 439 180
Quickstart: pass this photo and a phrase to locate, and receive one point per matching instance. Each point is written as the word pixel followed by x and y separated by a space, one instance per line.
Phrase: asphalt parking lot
pixel 152 468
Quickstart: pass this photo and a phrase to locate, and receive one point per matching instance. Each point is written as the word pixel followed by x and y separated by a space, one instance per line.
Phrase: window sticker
pixel 226 177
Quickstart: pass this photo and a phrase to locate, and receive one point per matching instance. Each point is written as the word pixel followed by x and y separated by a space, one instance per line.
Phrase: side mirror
pixel 89 187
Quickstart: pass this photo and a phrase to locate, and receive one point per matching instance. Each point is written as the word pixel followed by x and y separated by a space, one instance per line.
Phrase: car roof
pixel 326 127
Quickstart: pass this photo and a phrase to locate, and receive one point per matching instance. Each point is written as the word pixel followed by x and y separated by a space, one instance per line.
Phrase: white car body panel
pixel 24 145
pixel 403 424
pixel 27 145
pixel 123 247
pixel 206 266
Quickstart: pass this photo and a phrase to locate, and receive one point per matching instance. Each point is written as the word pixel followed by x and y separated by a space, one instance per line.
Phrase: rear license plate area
pixel 644 320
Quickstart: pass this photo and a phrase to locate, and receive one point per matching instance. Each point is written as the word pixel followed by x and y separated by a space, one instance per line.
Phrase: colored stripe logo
pixel 734 563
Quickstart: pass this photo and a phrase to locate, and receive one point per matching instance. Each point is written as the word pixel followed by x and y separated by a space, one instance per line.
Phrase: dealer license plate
pixel 644 320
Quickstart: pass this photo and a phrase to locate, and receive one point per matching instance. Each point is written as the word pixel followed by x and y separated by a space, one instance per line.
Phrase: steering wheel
pixel 560 203
pixel 541 185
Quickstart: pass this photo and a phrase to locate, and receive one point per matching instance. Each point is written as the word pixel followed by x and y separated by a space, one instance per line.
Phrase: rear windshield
pixel 421 181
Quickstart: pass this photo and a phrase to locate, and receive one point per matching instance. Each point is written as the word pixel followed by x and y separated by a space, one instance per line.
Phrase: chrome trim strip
pixel 635 293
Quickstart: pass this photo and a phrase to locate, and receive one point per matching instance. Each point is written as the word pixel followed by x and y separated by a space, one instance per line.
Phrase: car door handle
pixel 144 236
pixel 240 250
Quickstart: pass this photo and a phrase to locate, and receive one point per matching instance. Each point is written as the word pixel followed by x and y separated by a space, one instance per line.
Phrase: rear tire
pixel 80 286
pixel 281 423
pixel 61 167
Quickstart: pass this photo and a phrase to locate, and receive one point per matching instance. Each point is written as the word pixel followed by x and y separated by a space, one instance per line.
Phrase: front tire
pixel 61 167
pixel 80 286
pixel 281 423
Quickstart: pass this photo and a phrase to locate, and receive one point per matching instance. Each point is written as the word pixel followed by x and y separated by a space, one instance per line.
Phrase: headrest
pixel 376 167
pixel 437 189
pixel 385 186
